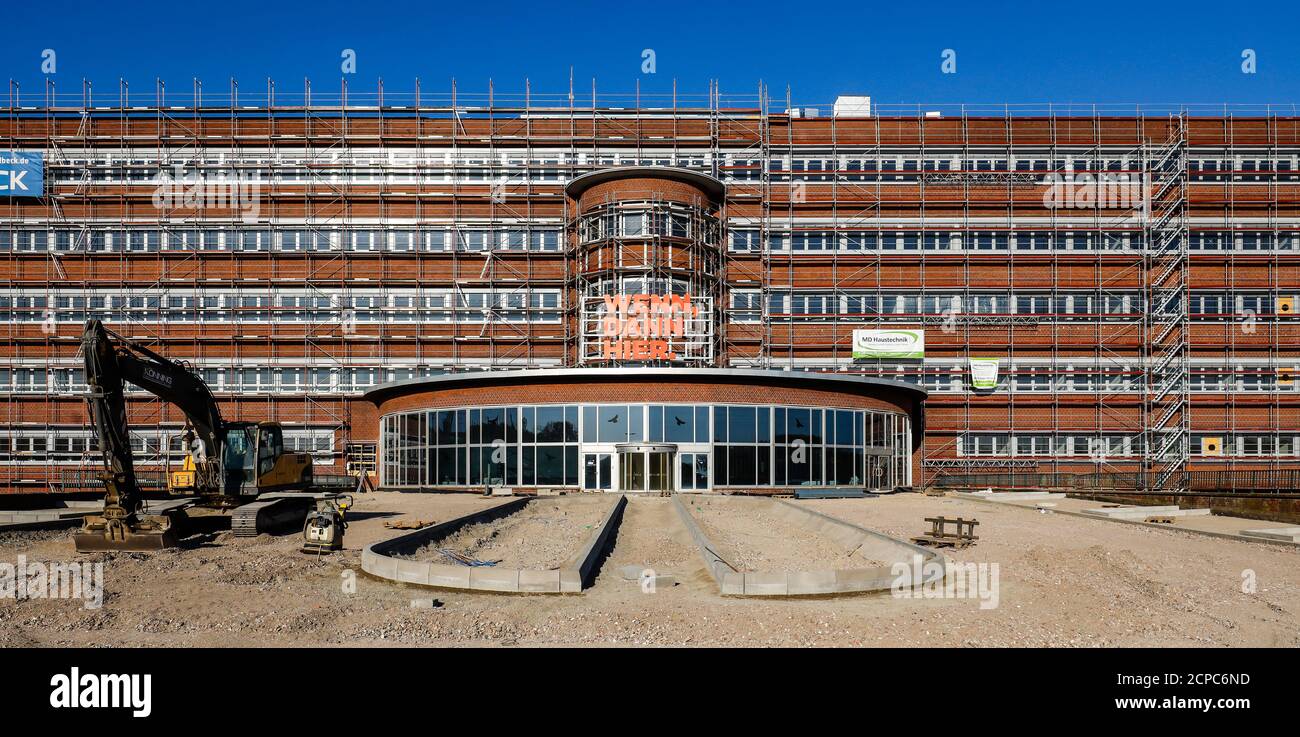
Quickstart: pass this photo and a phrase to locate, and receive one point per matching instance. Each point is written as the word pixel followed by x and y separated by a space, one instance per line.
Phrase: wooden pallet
pixel 939 536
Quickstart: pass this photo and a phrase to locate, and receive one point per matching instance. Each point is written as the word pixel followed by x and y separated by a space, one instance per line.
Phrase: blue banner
pixel 22 174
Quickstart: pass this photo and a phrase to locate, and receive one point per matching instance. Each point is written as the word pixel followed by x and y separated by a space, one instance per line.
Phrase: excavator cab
pixel 256 461
pixel 239 459
pixel 253 461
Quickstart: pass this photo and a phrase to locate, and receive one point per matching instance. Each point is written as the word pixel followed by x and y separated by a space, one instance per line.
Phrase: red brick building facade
pixel 1135 276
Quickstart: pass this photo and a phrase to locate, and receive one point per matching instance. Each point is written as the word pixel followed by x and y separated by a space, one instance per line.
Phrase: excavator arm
pixel 111 361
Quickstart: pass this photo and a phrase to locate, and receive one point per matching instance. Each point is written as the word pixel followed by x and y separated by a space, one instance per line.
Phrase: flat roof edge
pixel 385 391
pixel 710 184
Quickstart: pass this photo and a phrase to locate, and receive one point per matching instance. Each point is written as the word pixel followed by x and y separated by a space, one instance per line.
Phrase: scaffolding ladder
pixel 1167 423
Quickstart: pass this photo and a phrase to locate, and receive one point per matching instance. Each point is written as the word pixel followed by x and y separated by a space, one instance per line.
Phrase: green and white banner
pixel 889 344
pixel 984 373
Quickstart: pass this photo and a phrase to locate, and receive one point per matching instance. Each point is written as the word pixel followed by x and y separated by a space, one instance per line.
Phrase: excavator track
pixel 281 511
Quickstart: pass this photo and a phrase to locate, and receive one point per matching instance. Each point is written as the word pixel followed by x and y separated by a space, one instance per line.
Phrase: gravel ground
pixel 652 536
pixel 540 537
pixel 1064 582
pixel 751 536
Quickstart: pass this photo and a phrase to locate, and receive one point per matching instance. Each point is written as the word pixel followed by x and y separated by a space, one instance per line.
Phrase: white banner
pixel 984 373
pixel 889 344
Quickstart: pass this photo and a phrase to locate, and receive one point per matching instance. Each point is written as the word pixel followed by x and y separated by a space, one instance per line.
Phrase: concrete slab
pixel 1141 513
pixel 64 515
pixel 539 582
pixel 413 571
pixel 1285 534
pixel 1010 496
pixel 449 577
pixel 488 578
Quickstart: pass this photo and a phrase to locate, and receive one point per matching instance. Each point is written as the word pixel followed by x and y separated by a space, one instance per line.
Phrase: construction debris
pixel 407 524
pixel 465 560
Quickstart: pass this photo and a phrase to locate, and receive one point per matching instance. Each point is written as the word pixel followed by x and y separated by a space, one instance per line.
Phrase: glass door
pixel 596 471
pixel 877 470
pixel 660 471
pixel 693 471
pixel 632 471
pixel 647 467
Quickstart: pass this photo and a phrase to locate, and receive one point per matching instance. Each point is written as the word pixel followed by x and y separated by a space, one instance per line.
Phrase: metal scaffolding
pixel 485 165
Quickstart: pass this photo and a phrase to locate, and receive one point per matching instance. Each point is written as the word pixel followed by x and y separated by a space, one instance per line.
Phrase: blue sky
pixel 1124 52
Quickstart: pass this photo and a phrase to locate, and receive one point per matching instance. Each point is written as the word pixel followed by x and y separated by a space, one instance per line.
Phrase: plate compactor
pixel 323 531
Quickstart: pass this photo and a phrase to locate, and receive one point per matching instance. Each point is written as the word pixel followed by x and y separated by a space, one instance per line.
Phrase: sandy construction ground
pixel 540 537
pixel 1064 581
pixel 750 536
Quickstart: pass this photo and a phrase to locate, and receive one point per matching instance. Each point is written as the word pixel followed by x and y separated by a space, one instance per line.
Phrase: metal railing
pixel 84 479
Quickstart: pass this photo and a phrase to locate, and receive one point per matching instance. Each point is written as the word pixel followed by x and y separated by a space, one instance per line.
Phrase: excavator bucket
pixel 99 534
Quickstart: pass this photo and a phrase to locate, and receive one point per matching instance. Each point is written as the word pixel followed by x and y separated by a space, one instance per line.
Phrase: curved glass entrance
pixel 646 447
pixel 646 467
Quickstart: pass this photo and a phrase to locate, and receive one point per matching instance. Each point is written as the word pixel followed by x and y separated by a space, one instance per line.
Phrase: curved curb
pixel 821 582
pixel 377 560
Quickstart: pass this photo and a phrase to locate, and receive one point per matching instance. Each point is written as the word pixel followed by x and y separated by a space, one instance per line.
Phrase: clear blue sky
pixel 1094 51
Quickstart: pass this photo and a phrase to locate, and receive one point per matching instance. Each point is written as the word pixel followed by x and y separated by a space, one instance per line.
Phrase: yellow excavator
pixel 227 465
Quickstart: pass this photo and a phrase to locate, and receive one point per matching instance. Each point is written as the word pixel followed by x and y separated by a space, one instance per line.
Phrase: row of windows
pixel 884 169
pixel 788 446
pixel 627 220
pixel 1068 379
pixel 805 159
pixel 742 240
pixel 1065 377
pixel 290 174
pixel 231 379
pixel 316 306
pixel 856 170
pixel 400 240
pixel 543 239
pixel 316 380
pixel 1063 446
pixel 399 166
pixel 545 308
pixel 1250 445
pixel 357 165
pixel 1111 446
pixel 747 306
pixel 147 447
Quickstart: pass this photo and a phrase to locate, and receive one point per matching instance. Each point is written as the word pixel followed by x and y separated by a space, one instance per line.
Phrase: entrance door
pixel 632 471
pixel 877 468
pixel 646 467
pixel 659 476
pixel 596 471
pixel 693 471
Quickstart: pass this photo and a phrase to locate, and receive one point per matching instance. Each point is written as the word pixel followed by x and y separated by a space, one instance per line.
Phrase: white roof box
pixel 852 106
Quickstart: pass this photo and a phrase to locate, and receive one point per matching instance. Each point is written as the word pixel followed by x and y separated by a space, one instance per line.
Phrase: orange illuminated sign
pixel 640 327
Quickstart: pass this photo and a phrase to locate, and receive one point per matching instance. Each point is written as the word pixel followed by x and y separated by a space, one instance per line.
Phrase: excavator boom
pixel 112 360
